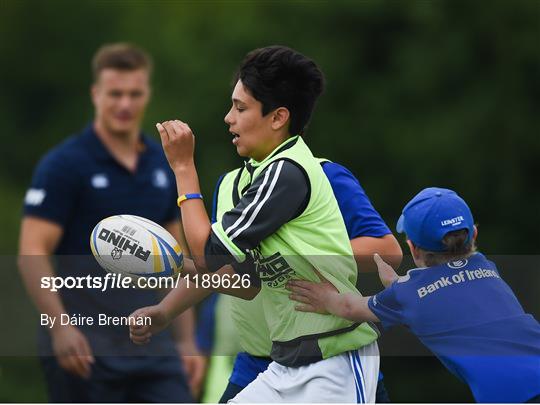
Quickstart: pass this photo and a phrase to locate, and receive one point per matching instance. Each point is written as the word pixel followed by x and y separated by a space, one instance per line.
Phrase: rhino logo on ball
pixel 116 253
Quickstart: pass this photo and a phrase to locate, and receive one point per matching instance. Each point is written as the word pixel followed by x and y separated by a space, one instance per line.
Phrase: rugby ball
pixel 134 246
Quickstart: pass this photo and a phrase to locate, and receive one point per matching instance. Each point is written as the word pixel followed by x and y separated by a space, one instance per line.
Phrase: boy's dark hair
pixel 278 76
pixel 456 249
pixel 120 56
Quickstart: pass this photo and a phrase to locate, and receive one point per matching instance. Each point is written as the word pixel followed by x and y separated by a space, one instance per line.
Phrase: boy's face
pixel 253 134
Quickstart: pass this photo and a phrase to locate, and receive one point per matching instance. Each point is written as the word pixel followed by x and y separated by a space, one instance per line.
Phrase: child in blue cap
pixel 455 302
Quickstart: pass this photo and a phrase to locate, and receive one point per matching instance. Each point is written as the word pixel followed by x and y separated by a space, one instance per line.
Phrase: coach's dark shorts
pixel 120 379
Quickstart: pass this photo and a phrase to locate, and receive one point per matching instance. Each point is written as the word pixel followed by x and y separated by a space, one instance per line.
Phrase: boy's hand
pixel 313 297
pixel 386 272
pixel 178 142
pixel 141 334
pixel 324 298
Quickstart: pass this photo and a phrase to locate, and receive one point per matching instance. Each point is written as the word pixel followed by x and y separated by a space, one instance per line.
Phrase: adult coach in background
pixel 109 168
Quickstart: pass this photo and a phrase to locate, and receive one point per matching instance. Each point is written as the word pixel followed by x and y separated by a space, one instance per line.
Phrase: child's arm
pixel 387 274
pixel 324 298
pixel 177 301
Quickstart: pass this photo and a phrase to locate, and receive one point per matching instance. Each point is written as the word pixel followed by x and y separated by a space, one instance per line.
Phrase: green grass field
pixel 21 380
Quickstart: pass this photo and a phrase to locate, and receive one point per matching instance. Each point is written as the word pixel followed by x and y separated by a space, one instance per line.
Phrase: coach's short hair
pixel 120 56
pixel 278 76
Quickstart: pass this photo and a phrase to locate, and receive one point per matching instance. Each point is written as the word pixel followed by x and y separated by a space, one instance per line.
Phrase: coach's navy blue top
pixel 471 320
pixel 77 184
pixel 82 183
pixel 361 219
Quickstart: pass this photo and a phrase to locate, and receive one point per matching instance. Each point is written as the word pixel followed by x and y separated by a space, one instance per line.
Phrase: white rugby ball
pixel 135 246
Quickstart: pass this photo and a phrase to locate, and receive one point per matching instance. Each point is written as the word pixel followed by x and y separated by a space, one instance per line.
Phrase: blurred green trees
pixel 420 93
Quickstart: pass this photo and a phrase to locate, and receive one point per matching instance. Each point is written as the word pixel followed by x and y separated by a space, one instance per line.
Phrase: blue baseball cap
pixel 431 214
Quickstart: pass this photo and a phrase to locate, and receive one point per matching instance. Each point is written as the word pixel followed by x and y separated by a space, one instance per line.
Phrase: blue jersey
pixel 360 218
pixel 471 320
pixel 359 215
pixel 77 184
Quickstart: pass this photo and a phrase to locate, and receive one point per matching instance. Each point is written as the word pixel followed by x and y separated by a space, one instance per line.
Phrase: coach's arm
pixel 38 240
pixel 387 246
pixel 183 327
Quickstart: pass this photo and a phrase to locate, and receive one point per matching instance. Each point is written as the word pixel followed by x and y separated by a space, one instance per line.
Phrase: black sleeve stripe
pixel 242 217
pixel 268 192
pixel 305 203
pixel 263 201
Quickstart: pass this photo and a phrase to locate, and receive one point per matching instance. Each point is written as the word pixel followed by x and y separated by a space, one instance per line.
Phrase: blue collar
pixel 98 149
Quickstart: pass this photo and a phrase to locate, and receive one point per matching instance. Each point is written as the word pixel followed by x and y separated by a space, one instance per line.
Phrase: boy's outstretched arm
pixel 324 298
pixel 178 300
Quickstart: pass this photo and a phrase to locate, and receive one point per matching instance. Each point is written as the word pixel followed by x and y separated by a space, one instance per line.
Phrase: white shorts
pixel 348 378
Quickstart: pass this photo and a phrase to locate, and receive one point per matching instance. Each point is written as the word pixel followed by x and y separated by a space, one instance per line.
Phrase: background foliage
pixel 419 93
